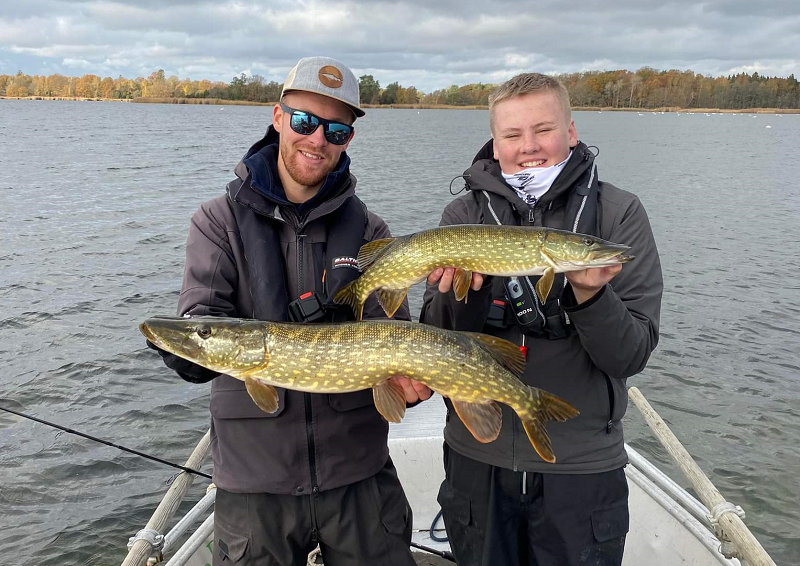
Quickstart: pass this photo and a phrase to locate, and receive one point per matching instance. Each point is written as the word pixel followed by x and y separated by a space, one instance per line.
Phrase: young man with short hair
pixel 501 503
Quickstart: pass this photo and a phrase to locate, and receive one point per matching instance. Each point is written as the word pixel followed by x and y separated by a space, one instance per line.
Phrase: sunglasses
pixel 306 123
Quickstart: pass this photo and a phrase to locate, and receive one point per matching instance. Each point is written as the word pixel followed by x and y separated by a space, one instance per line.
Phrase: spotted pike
pixel 474 370
pixel 391 265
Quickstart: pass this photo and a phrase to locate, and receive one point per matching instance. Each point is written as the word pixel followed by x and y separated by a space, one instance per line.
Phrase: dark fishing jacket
pixel 604 340
pixel 249 253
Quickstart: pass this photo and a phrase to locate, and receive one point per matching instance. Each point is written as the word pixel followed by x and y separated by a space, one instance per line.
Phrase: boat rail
pixel 725 517
pixel 150 539
pixel 719 529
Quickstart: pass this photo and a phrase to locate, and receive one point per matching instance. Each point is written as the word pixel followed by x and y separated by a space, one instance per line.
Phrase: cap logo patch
pixel 330 76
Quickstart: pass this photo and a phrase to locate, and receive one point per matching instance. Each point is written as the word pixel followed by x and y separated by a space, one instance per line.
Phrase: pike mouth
pixel 605 262
pixel 145 330
pixel 167 333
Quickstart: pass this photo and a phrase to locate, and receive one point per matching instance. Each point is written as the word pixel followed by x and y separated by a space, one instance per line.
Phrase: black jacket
pixel 613 337
pixel 314 441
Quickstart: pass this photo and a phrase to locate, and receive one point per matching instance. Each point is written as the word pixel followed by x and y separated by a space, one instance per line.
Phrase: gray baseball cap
pixel 327 77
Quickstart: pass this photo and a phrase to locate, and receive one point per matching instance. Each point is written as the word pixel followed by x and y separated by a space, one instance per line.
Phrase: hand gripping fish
pixel 392 265
pixel 476 371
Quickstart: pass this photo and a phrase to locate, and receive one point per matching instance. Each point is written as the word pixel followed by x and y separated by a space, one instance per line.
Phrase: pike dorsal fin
pixel 263 394
pixel 371 251
pixel 506 353
pixel 461 282
pixel 483 420
pixel 390 400
pixel 391 299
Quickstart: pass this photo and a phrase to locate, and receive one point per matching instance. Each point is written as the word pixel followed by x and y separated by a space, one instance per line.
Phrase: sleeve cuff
pixel 570 304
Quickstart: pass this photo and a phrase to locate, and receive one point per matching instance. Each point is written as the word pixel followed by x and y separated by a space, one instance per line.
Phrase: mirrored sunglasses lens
pixel 304 124
pixel 338 133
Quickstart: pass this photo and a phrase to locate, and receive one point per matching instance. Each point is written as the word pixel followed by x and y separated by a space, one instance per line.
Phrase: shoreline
pixel 223 102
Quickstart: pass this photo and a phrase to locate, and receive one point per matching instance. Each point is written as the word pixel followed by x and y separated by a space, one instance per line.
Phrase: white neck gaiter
pixel 532 183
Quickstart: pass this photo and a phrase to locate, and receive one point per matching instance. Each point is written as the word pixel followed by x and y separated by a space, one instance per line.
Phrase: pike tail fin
pixel 546 407
pixel 349 295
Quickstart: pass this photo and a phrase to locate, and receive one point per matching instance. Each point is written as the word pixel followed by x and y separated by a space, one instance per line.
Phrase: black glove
pixel 189 371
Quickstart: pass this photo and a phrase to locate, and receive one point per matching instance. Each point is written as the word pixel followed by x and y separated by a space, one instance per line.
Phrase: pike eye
pixel 588 242
pixel 204 332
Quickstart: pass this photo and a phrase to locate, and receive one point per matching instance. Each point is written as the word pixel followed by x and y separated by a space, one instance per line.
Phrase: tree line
pixel 646 88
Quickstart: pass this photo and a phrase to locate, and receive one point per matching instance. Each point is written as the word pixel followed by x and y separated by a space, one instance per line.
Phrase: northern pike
pixel 476 371
pixel 391 265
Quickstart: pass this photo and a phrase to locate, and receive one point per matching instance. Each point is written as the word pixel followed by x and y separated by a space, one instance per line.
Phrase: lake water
pixel 96 200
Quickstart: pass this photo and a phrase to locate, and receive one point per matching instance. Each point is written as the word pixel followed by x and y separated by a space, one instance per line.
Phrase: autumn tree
pixel 369 89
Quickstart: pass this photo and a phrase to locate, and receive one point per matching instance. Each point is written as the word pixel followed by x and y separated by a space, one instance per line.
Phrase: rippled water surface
pixel 96 200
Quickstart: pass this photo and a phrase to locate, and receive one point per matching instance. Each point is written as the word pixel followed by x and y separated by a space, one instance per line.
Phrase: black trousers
pixel 365 523
pixel 495 516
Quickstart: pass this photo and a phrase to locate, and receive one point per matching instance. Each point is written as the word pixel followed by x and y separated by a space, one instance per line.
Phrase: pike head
pixel 569 251
pixel 227 345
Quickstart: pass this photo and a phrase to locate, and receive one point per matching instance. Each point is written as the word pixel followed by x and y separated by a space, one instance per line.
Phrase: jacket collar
pixel 485 173
pixel 260 188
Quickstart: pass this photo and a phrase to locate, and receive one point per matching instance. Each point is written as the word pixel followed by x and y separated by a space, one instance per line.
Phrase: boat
pixel 668 525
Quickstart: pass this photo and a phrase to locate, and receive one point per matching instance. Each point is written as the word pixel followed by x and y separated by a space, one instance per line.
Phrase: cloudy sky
pixel 430 44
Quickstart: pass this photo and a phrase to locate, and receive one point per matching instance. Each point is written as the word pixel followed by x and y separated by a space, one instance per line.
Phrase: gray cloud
pixel 428 44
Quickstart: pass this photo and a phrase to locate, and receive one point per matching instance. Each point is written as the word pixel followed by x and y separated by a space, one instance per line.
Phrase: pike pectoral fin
pixel 545 283
pixel 263 394
pixel 483 420
pixel 391 299
pixel 371 251
pixel 390 400
pixel 461 282
pixel 506 353
pixel 550 408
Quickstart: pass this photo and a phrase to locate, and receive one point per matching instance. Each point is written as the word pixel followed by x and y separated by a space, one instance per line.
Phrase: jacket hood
pixel 485 173
pixel 261 164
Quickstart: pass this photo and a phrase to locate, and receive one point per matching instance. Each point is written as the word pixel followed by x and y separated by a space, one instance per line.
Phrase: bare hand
pixel 444 276
pixel 587 282
pixel 414 390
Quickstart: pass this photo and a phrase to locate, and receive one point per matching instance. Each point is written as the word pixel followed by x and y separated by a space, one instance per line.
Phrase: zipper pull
pixel 530 215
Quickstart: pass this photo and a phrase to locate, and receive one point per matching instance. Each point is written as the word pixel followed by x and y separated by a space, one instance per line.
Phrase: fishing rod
pixel 440 553
pixel 107 443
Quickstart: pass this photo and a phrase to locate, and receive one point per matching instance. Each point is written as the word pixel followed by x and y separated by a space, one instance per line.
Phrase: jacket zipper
pixel 514 433
pixel 312 459
pixel 536 302
pixel 300 238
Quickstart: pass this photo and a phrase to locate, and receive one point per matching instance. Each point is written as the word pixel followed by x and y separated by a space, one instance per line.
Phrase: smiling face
pixel 305 161
pixel 531 130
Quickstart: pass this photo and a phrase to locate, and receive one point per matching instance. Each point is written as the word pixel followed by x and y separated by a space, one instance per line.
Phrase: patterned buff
pixel 533 182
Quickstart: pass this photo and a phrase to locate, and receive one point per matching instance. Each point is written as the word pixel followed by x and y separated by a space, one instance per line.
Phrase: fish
pixel 475 371
pixel 390 266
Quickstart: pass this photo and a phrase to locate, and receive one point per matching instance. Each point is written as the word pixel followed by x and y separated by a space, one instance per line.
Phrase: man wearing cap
pixel 278 246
